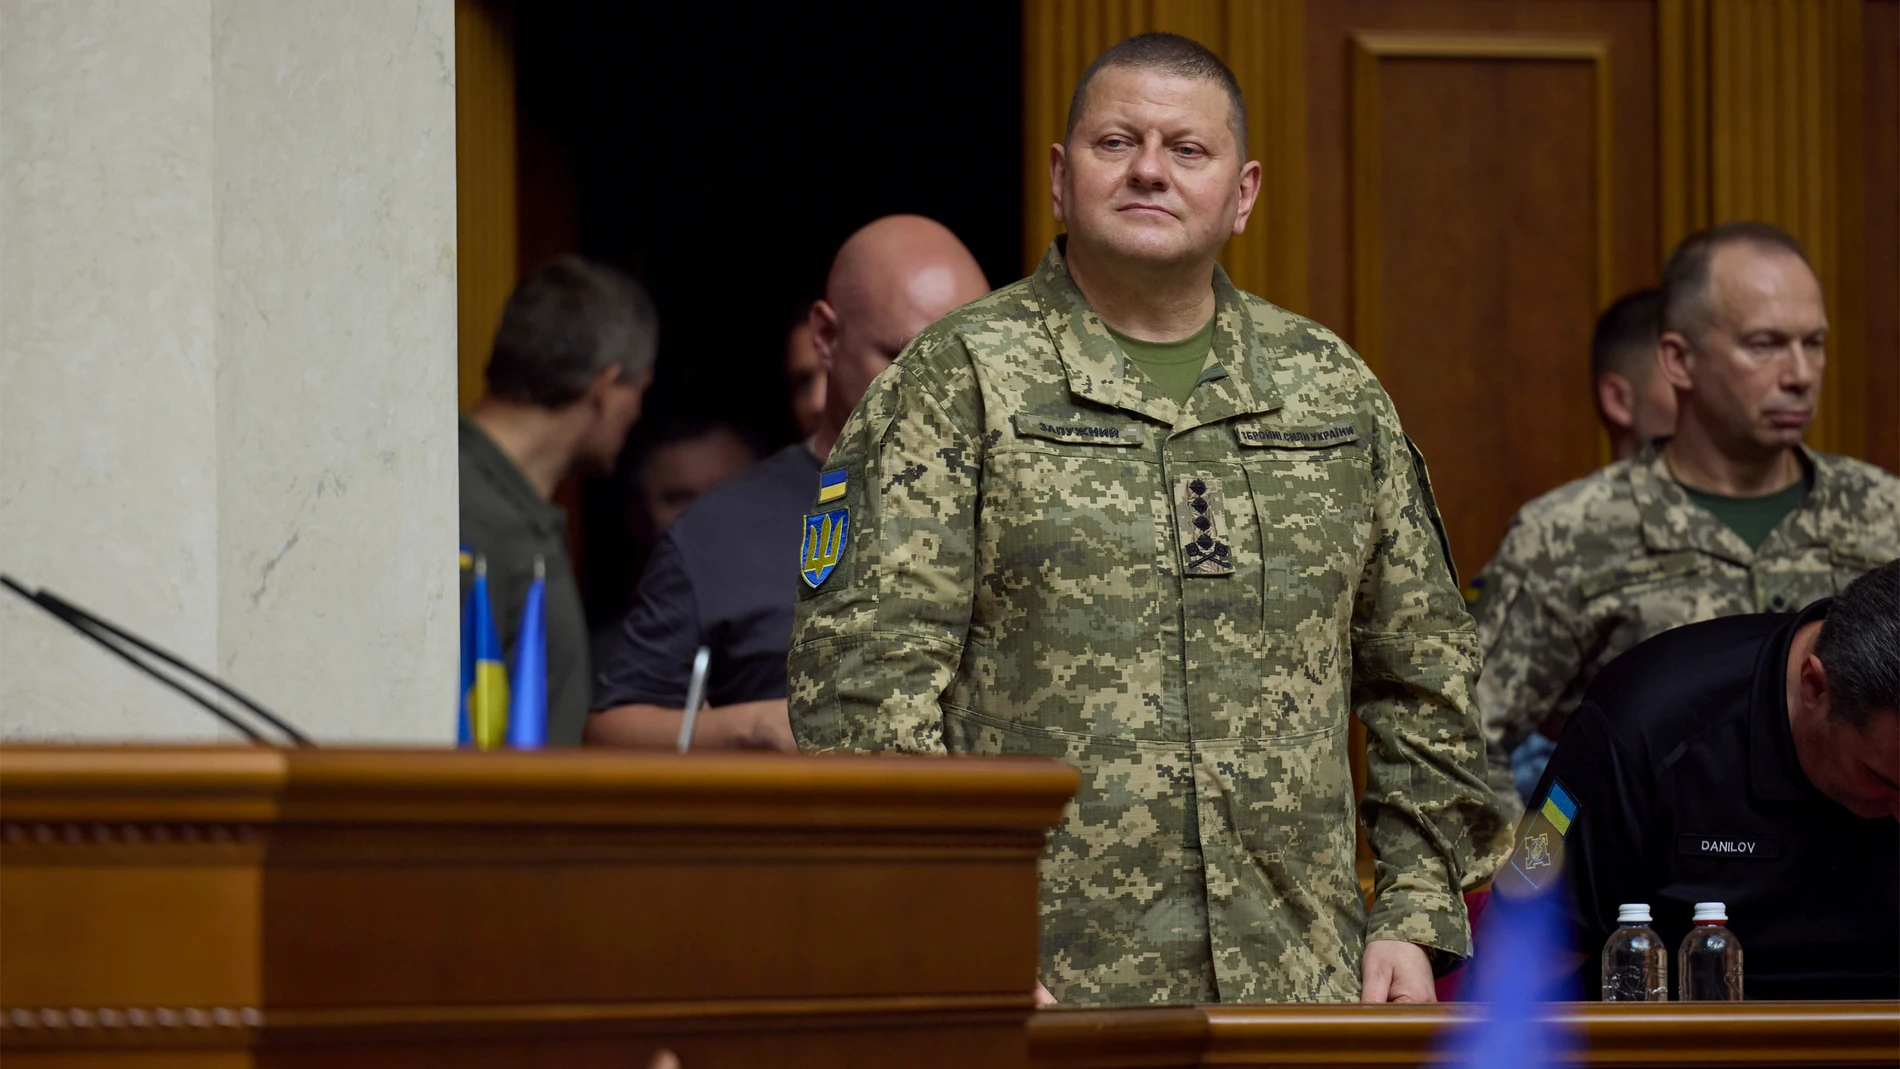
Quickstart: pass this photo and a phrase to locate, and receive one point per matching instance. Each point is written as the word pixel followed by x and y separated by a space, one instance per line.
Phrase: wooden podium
pixel 231 907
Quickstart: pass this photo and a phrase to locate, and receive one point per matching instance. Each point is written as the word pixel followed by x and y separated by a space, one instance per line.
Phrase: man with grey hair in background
pixel 1731 515
pixel 571 361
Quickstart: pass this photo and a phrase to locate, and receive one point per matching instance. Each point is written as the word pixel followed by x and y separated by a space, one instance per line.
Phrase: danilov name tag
pixel 1735 846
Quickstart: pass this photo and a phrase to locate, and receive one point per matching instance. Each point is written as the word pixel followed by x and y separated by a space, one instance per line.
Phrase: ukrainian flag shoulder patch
pixel 831 485
pixel 1559 808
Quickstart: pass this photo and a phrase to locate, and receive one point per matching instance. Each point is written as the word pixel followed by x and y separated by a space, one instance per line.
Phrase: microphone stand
pixel 133 649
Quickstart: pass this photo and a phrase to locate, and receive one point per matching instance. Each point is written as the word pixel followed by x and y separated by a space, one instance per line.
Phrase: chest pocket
pixel 1069 530
pixel 1650 570
pixel 1851 562
pixel 1311 490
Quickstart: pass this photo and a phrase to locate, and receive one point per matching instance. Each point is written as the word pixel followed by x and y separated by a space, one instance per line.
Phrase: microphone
pixel 123 644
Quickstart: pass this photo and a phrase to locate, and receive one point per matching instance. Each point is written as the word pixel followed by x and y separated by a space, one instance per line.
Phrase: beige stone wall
pixel 227 358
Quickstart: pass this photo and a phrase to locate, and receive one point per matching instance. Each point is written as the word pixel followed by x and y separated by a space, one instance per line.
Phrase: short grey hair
pixel 565 324
pixel 1685 276
pixel 1859 646
pixel 1169 53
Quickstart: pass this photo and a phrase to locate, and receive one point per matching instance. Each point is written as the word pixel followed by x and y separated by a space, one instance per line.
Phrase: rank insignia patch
pixel 823 544
pixel 831 485
pixel 1203 528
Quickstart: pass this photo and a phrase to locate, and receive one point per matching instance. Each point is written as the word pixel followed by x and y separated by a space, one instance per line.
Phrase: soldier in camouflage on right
pixel 1731 515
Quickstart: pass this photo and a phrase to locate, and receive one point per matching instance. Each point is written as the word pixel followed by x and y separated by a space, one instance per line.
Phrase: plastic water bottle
pixel 1635 963
pixel 1710 960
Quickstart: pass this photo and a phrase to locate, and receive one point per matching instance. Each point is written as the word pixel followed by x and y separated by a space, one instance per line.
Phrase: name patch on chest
pixel 1057 429
pixel 1727 846
pixel 1320 437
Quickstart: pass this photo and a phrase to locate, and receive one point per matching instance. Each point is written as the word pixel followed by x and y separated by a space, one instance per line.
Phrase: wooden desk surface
pixel 1754 1034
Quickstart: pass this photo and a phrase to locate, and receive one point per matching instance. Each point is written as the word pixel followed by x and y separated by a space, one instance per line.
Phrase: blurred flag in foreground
pixel 484 710
pixel 1521 961
pixel 528 712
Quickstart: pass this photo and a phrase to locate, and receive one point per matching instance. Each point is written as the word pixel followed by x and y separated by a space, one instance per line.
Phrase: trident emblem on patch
pixel 1536 851
pixel 824 543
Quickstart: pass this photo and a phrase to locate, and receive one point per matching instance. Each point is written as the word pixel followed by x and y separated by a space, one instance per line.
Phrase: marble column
pixel 227 359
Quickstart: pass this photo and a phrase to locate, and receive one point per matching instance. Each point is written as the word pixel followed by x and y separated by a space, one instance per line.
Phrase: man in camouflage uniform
pixel 1732 515
pixel 1025 543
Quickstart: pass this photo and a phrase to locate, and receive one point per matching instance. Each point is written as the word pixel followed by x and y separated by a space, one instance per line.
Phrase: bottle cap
pixel 1633 913
pixel 1710 911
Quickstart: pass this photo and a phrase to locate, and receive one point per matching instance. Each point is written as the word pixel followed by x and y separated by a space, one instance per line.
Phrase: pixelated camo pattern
pixel 1017 582
pixel 1595 567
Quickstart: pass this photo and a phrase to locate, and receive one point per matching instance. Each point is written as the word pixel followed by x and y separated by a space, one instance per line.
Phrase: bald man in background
pixel 719 576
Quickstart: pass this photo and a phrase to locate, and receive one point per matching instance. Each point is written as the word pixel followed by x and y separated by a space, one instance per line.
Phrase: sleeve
pixel 1532 654
pixel 877 638
pixel 1585 833
pixel 1432 820
pixel 651 661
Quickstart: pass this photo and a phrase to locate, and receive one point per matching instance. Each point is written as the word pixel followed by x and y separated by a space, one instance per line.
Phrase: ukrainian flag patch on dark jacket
pixel 1539 854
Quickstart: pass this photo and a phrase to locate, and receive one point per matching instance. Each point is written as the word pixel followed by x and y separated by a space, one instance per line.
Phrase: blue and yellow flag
pixel 463 737
pixel 484 679
pixel 528 712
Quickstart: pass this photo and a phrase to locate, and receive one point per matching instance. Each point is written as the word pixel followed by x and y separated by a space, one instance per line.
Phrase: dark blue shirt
pixel 725 575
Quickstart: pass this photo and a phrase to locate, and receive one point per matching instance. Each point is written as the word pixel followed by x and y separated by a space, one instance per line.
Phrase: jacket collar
pixel 1235 381
pixel 1672 522
pixel 508 481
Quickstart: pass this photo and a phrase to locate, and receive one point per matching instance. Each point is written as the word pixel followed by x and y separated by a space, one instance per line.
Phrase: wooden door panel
pixel 1465 230
pixel 1481 247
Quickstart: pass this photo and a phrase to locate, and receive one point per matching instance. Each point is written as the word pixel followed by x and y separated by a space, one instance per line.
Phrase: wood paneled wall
pixel 1459 186
pixel 1264 44
pixel 1761 115
pixel 485 182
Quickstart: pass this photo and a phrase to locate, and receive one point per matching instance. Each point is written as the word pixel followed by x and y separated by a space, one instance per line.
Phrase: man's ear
pixel 1058 167
pixel 1616 399
pixel 603 382
pixel 1249 189
pixel 1814 691
pixel 1674 354
pixel 823 319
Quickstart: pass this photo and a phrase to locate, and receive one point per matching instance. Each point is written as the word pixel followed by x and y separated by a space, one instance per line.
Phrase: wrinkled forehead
pixel 1754 287
pixel 1148 96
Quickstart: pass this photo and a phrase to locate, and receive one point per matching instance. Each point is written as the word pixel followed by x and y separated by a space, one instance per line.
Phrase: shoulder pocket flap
pixel 1669 566
pixel 1274 436
pixel 1854 557
pixel 1079 432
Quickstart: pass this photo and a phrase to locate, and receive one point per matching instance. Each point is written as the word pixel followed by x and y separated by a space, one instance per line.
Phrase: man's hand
pixel 1397 972
pixel 1043 997
pixel 765 725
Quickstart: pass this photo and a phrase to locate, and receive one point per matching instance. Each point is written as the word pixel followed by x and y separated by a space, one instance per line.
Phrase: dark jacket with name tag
pixel 1677 782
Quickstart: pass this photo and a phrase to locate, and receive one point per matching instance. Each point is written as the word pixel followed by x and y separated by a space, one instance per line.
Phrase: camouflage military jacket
pixel 1595 567
pixel 1042 554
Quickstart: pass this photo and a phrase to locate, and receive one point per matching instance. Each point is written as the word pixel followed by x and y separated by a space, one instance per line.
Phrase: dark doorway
pixel 722 152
